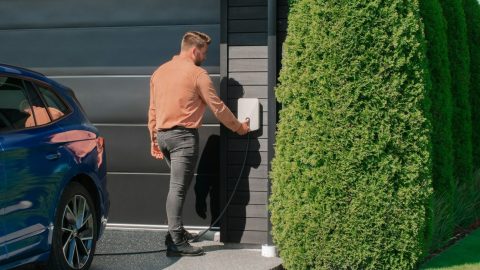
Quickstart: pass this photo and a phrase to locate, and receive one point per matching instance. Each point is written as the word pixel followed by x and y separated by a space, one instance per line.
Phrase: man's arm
pixel 152 113
pixel 220 110
pixel 152 117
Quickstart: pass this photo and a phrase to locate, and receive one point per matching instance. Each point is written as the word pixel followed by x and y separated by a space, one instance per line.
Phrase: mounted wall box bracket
pixel 249 108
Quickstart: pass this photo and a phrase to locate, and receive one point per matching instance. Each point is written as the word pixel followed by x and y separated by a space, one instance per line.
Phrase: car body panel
pixel 32 188
pixel 3 250
pixel 36 166
pixel 42 257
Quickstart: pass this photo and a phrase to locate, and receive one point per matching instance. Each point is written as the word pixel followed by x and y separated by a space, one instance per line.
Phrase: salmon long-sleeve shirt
pixel 179 92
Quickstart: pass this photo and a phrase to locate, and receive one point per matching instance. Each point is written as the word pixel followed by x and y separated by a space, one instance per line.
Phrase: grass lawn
pixel 464 255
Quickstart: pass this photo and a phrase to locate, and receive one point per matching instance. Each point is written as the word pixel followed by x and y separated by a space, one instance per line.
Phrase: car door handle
pixel 53 156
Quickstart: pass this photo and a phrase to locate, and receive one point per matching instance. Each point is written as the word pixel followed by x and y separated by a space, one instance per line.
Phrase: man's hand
pixel 244 128
pixel 155 151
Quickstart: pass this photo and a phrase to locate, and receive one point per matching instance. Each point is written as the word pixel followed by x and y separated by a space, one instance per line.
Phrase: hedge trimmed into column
pixel 459 57
pixel 441 111
pixel 351 179
pixel 472 14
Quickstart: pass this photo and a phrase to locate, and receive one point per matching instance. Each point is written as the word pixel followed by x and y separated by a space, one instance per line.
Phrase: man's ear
pixel 195 51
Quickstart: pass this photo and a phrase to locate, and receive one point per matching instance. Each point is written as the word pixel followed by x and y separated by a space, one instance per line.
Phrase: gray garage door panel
pixel 140 199
pixel 106 51
pixel 128 150
pixel 73 13
pixel 118 99
pixel 100 46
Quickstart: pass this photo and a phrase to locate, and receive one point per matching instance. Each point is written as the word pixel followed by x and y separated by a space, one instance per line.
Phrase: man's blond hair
pixel 197 39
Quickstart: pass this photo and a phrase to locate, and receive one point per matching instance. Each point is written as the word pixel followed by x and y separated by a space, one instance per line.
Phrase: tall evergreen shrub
pixel 352 174
pixel 472 14
pixel 459 57
pixel 441 112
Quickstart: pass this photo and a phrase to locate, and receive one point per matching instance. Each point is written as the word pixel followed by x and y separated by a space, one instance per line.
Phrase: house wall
pixel 107 51
pixel 247 76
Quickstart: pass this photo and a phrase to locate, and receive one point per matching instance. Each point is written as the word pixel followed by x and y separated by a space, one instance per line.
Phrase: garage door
pixel 106 50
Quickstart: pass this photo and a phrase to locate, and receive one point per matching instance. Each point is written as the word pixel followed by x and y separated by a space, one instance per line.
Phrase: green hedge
pixel 459 57
pixel 351 177
pixel 472 14
pixel 441 111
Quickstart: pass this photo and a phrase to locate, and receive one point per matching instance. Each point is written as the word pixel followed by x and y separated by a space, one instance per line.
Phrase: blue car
pixel 53 195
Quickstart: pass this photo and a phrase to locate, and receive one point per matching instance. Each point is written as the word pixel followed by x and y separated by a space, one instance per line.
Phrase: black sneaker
pixel 183 249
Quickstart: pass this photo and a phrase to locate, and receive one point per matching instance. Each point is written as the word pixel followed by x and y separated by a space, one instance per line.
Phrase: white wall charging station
pixel 249 108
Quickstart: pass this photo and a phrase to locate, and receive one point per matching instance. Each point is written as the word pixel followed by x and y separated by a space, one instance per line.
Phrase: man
pixel 179 91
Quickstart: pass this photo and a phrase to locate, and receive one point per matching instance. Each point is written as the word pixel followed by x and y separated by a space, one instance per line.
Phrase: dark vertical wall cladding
pixel 106 51
pixel 247 76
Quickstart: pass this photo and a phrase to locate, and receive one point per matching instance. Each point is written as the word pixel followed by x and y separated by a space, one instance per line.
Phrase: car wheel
pixel 75 231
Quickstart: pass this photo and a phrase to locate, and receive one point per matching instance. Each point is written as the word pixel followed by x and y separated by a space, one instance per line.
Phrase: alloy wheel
pixel 77 232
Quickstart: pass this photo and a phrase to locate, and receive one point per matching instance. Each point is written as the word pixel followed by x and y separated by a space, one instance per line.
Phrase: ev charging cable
pixel 231 195
pixel 213 223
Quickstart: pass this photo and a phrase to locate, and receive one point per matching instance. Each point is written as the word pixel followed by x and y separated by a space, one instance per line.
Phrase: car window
pixel 41 116
pixel 15 109
pixel 20 107
pixel 55 105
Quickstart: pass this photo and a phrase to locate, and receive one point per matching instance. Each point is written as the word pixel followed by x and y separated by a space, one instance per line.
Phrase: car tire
pixel 75 231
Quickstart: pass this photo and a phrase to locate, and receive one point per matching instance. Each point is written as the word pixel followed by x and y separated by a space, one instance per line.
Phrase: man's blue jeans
pixel 180 148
